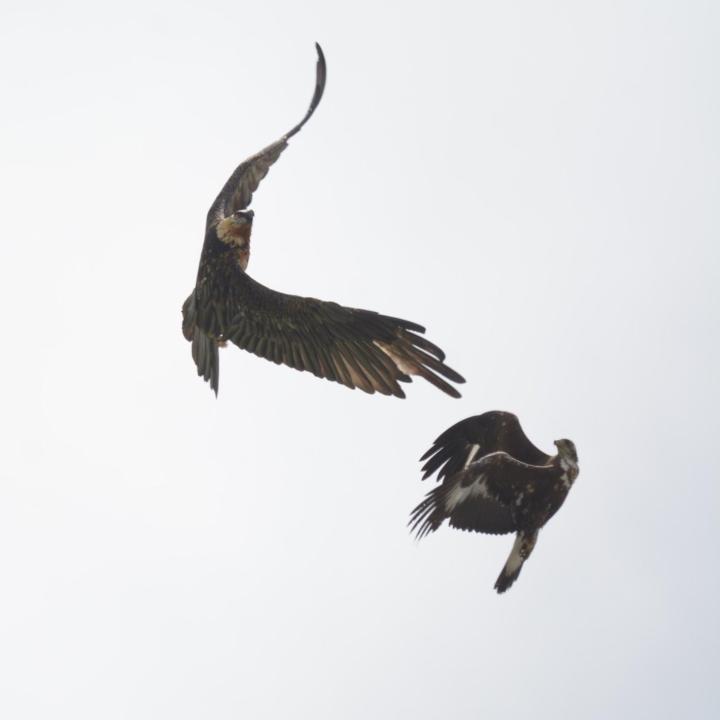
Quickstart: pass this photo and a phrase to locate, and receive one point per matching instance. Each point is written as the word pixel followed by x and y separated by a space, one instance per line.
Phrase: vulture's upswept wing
pixel 240 186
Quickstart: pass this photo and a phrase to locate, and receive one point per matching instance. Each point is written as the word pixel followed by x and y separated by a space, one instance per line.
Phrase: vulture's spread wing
pixel 357 348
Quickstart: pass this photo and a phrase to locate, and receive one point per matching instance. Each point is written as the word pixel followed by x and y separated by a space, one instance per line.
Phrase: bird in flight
pixel 358 348
pixel 494 480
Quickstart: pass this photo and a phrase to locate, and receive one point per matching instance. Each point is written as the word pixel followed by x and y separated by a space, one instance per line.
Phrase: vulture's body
pixel 358 348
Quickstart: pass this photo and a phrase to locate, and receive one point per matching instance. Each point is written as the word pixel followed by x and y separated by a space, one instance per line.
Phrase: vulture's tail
pixel 204 348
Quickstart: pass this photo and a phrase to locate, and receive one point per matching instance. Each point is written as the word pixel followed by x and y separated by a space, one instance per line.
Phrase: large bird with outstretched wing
pixel 494 480
pixel 358 348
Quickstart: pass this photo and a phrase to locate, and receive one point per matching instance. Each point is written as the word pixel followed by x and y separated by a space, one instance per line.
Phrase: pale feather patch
pixel 515 559
pixel 234 233
pixel 357 379
pixel 471 455
pixel 460 494
pixel 491 458
pixel 570 471
pixel 400 364
pixel 568 465
pixel 224 229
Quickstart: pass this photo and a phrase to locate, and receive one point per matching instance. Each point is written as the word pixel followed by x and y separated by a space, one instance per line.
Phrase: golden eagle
pixel 494 480
pixel 357 348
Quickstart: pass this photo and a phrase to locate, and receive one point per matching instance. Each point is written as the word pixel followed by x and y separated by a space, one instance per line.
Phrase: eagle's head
pixel 236 228
pixel 567 451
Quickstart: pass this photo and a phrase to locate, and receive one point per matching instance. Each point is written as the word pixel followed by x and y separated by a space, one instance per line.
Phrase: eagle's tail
pixel 204 348
pixel 521 549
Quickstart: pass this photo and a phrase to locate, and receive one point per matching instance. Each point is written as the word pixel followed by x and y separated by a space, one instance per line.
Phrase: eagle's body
pixel 494 480
pixel 358 348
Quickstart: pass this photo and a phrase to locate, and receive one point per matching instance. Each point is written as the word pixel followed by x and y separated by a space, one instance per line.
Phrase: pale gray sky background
pixel 536 182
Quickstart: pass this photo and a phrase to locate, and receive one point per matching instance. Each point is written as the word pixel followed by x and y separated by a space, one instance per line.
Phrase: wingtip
pixel 320 79
pixel 428 453
pixel 321 65
pixel 440 384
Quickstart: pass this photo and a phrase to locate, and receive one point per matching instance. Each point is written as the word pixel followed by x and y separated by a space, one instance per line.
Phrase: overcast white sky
pixel 536 182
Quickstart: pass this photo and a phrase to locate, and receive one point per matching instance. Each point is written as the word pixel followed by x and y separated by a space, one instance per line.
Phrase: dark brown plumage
pixel 494 480
pixel 358 348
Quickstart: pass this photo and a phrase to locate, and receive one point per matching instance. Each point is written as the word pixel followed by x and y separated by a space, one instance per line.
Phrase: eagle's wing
pixel 507 480
pixel 357 348
pixel 476 436
pixel 467 508
pixel 238 190
pixel 483 496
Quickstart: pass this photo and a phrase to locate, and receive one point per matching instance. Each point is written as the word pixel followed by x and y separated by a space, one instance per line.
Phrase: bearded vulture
pixel 358 348
pixel 494 480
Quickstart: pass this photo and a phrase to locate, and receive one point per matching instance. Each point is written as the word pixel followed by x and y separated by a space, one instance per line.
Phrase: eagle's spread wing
pixel 238 190
pixel 476 436
pixel 357 348
pixel 483 497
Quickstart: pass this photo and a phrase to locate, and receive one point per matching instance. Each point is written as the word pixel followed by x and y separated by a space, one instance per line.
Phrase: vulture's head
pixel 235 229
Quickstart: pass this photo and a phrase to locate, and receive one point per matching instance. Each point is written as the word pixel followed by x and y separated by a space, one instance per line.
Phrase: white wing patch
pixel 400 363
pixel 460 494
pixel 471 455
